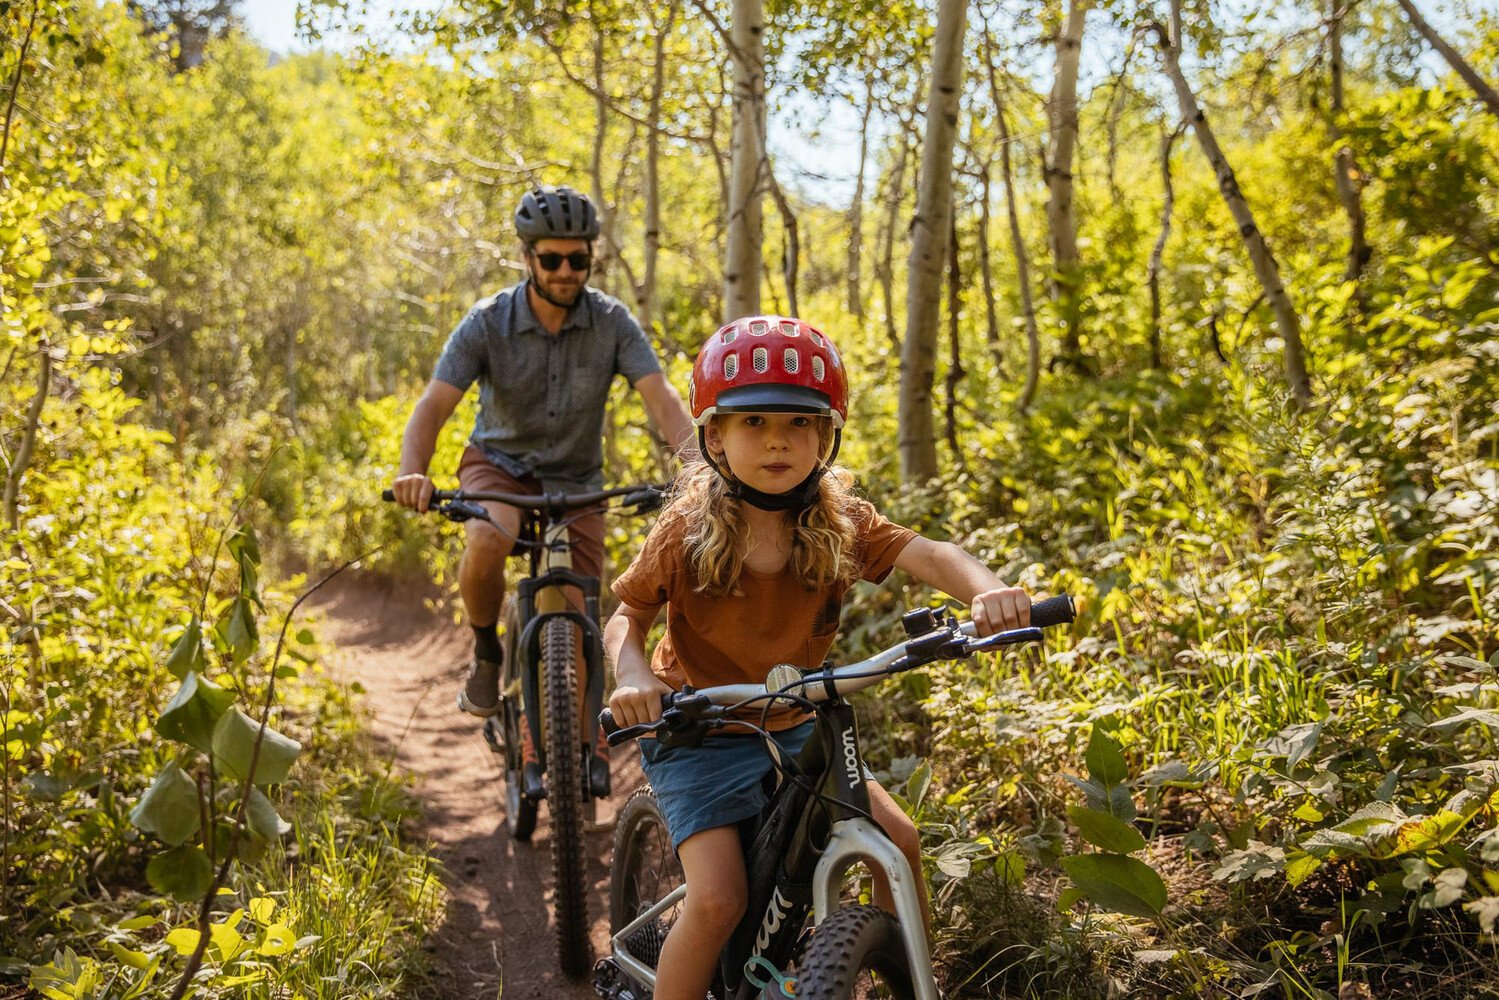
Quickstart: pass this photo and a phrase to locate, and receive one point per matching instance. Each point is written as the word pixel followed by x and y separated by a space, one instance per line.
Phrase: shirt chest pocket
pixel 587 388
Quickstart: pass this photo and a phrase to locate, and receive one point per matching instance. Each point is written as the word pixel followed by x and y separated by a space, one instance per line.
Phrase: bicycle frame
pixel 807 879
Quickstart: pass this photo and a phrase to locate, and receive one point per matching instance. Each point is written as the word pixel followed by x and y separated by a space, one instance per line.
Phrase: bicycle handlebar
pixel 463 502
pixel 945 640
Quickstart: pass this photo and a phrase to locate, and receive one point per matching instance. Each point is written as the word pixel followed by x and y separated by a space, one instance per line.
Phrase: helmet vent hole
pixel 817 339
pixel 818 371
pixel 730 365
pixel 790 360
pixel 730 335
pixel 789 328
pixel 760 359
pixel 759 328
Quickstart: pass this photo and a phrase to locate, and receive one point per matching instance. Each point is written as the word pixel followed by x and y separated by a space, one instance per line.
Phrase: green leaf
pixel 1069 898
pixel 169 809
pixel 1118 883
pixel 1105 759
pixel 234 742
pixel 187 652
pixel 1299 867
pixel 264 821
pixel 193 711
pixel 305 637
pixel 917 784
pixel 238 631
pixel 184 873
pixel 1105 831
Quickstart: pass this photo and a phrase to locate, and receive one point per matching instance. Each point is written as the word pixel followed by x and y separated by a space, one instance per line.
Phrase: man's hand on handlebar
pixel 1000 610
pixel 414 490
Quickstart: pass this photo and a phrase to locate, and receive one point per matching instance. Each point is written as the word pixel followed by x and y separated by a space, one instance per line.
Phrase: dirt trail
pixel 497 935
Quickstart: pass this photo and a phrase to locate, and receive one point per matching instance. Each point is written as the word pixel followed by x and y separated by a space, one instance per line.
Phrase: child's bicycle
pixel 540 680
pixel 815 827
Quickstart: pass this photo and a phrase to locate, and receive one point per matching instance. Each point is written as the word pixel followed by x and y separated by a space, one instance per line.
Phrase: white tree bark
pixel 742 255
pixel 918 445
pixel 1265 268
pixel 856 211
pixel 645 297
pixel 1062 111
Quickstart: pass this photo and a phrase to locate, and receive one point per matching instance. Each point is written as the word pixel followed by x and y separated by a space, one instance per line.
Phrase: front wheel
pixel 565 795
pixel 857 952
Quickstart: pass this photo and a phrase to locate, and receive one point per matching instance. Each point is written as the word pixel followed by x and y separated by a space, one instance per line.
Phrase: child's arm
pixel 993 605
pixel 637 690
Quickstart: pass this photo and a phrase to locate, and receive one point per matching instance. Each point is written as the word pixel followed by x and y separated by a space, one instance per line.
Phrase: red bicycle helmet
pixel 762 364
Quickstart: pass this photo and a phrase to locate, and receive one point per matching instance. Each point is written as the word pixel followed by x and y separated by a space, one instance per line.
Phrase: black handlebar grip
pixel 388 496
pixel 1053 611
pixel 606 723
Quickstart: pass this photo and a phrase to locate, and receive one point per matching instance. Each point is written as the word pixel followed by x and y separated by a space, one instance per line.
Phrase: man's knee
pixel 485 546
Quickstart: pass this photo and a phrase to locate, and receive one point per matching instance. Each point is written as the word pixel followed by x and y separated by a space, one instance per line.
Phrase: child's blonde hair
pixel 717 537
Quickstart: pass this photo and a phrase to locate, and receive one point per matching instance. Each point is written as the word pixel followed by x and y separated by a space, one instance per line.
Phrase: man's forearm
pixel 419 440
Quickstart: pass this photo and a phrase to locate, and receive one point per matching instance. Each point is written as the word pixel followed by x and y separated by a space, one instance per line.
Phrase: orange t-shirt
pixel 738 638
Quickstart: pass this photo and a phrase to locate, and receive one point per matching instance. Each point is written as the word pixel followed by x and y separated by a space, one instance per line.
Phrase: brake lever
pixel 1013 637
pixel 461 510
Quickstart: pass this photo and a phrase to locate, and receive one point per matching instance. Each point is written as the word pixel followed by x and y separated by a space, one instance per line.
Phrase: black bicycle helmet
pixel 555 213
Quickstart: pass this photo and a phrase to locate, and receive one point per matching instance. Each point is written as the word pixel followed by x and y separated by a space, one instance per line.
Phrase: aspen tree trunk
pixel 742 255
pixel 918 446
pixel 1017 240
pixel 1459 65
pixel 1265 268
pixel 793 247
pixel 596 164
pixel 645 297
pixel 1066 282
pixel 955 371
pixel 856 210
pixel 1153 272
pixel 991 312
pixel 887 244
pixel 1345 168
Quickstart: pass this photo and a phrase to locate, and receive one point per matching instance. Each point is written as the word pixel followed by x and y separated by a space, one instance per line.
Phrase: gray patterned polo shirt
pixel 542 396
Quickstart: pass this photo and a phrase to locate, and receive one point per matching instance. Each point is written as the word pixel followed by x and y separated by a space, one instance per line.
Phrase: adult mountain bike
pixel 815 827
pixel 540 681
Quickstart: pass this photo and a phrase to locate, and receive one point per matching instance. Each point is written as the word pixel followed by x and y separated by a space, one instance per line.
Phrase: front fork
pixel 541 599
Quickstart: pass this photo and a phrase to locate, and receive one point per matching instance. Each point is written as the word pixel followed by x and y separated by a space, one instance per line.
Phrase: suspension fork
pixel 542 598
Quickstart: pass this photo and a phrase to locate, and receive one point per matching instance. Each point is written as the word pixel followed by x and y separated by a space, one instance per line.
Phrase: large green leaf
pixel 184 873
pixel 237 630
pixel 193 711
pixel 234 741
pixel 1118 883
pixel 169 809
pixel 187 652
pixel 1105 759
pixel 263 818
pixel 1103 830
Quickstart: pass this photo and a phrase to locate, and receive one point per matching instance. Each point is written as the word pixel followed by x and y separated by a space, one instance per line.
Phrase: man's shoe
pixel 533 786
pixel 481 692
pixel 598 768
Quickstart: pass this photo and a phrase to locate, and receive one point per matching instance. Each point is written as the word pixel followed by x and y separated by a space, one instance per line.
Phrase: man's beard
pixel 559 293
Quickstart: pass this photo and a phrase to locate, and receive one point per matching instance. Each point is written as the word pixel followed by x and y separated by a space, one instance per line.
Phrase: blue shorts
pixel 716 784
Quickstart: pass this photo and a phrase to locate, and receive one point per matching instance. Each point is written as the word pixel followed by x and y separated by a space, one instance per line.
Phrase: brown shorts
pixel 585 528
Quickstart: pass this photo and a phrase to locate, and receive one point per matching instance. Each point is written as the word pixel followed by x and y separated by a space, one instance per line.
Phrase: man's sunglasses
pixel 580 261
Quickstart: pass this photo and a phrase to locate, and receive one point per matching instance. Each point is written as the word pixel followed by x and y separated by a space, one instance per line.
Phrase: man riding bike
pixel 544 353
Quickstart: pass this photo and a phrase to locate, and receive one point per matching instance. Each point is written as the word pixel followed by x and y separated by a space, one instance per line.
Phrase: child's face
pixel 770 452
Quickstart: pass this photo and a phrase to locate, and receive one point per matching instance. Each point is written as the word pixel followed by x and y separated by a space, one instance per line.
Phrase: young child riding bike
pixel 752 559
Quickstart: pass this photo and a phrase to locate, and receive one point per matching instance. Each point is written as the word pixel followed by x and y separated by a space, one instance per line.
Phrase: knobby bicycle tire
pixel 849 943
pixel 520 812
pixel 565 796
